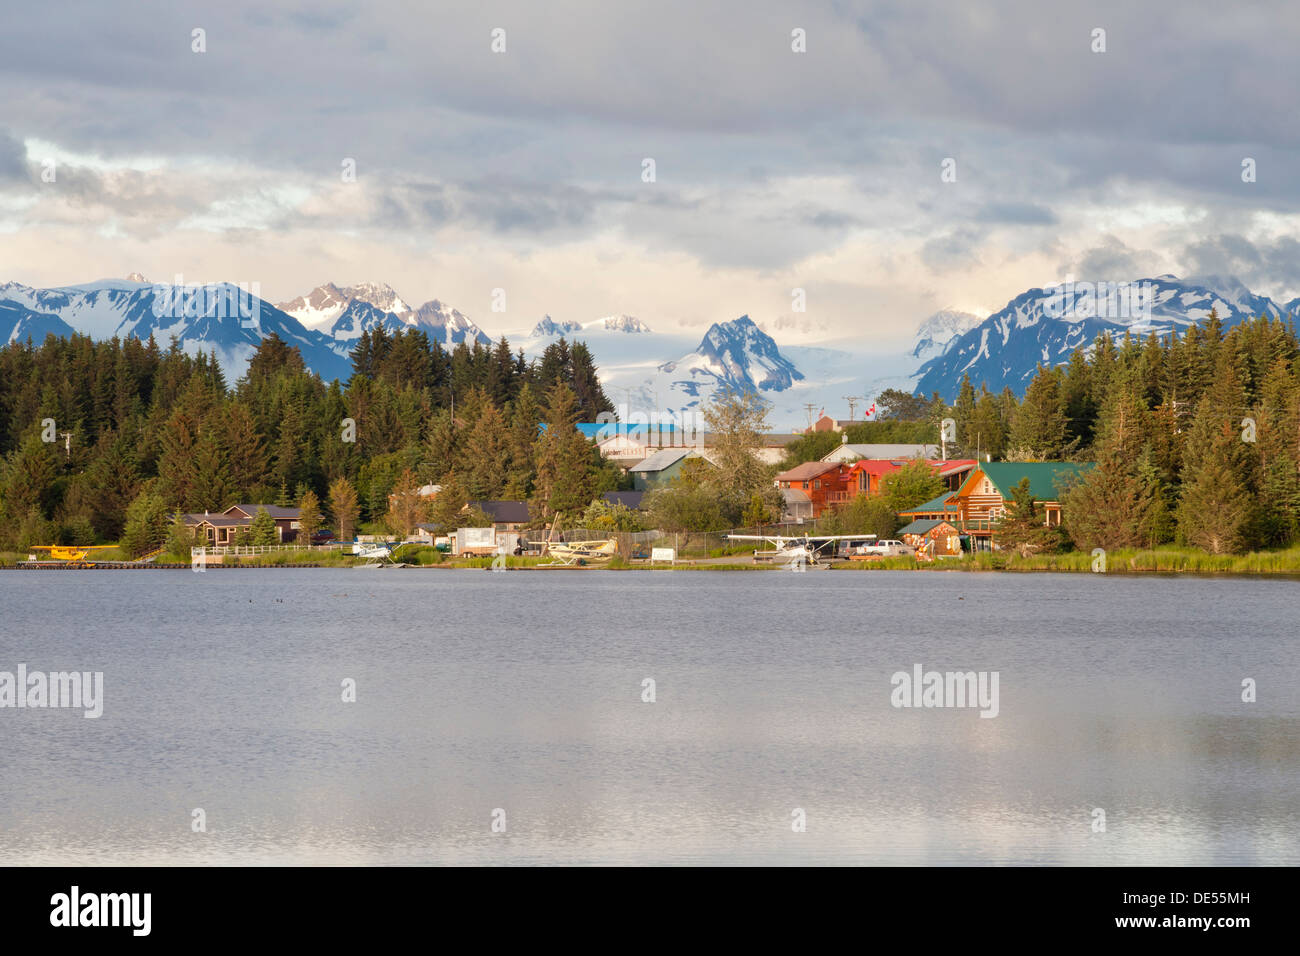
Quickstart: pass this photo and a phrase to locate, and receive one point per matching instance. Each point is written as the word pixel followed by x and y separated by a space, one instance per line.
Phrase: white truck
pixel 886 548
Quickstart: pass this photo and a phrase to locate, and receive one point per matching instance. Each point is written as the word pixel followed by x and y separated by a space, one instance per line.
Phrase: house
pixel 847 451
pixel 219 530
pixel 660 468
pixel 797 507
pixel 770 449
pixel 822 482
pixel 933 536
pixel 866 475
pixel 827 424
pixel 505 515
pixel 985 494
pixel 215 530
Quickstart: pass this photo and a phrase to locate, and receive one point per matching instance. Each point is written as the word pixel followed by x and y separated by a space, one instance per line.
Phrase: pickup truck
pixel 887 548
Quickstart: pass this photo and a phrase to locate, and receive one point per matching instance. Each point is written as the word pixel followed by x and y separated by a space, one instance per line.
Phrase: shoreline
pixel 951 567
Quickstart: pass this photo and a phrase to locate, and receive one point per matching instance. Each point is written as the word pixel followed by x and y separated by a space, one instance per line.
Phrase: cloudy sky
pixel 773 169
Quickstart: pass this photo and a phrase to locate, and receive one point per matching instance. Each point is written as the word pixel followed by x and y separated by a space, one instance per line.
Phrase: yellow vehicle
pixel 73 554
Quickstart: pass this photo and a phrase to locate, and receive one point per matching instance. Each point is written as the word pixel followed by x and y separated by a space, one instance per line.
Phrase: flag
pixel 872 410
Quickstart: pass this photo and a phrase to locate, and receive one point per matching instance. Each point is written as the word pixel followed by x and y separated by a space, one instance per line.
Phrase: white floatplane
pixel 810 549
pixel 380 553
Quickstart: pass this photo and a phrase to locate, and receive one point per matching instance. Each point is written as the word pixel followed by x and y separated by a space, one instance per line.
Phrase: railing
pixel 270 548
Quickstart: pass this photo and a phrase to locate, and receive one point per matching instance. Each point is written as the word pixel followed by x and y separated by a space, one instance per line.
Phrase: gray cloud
pixel 13 158
pixel 1272 265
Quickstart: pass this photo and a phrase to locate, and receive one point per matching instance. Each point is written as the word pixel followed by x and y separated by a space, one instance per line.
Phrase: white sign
pixel 662 554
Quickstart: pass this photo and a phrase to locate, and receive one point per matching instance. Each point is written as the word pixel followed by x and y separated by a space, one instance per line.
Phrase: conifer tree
pixel 263 530
pixel 343 508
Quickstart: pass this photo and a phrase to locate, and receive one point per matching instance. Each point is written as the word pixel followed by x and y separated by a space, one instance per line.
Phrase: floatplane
pixel 807 549
pixel 380 553
pixel 73 555
pixel 577 554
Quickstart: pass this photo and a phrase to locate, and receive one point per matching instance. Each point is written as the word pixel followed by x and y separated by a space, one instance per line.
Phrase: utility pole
pixel 808 407
pixel 853 403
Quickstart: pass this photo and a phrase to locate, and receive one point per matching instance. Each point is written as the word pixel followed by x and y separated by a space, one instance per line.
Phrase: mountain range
pixel 1046 325
pixel 637 365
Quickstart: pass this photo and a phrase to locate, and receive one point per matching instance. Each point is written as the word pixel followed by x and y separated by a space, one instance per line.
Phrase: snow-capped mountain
pixel 618 323
pixel 18 324
pixel 221 318
pixel 344 312
pixel 323 305
pixel 936 332
pixel 549 328
pixel 1047 325
pixel 736 355
pixel 446 325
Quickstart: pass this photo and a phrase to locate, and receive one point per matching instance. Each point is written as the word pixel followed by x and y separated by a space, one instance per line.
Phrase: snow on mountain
pixel 935 333
pixel 549 328
pixel 446 325
pixel 344 312
pixel 1047 325
pixel 323 305
pixel 618 323
pixel 359 316
pixel 737 355
pixel 18 324
pixel 219 317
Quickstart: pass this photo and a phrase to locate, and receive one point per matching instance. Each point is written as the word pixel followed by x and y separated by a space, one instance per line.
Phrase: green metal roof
pixel 939 505
pixel 1044 476
pixel 921 526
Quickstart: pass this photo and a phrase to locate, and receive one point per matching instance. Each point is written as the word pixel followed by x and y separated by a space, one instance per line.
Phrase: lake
pixel 516 700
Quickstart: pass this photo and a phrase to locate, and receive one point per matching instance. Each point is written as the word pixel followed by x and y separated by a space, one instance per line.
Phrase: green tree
pixel 146 524
pixel 913 484
pixel 181 538
pixel 1022 528
pixel 263 530
pixel 1038 432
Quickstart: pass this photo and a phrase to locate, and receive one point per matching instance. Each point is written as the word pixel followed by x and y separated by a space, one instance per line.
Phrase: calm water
pixel 522 691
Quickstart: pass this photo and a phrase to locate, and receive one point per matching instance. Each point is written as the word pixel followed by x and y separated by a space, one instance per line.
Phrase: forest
pixel 96 436
pixel 1195 439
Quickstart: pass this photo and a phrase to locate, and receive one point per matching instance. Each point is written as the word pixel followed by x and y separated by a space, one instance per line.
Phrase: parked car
pixel 322 537
pixel 887 548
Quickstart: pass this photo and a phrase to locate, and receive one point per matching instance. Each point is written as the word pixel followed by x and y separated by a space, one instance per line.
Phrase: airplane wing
pixel 759 537
pixel 839 537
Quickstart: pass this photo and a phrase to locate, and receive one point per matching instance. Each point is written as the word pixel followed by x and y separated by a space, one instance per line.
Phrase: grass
pixel 1165 559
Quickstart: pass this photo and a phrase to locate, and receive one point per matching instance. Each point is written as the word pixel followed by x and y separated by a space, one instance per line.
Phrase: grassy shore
pixel 1162 560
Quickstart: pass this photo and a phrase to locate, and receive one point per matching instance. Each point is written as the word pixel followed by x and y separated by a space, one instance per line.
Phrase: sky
pixel 524 168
